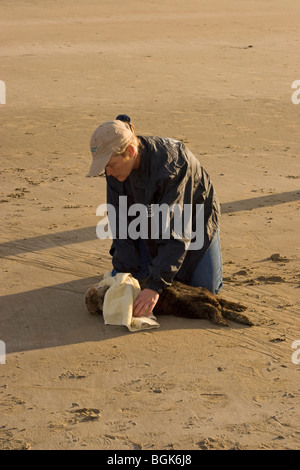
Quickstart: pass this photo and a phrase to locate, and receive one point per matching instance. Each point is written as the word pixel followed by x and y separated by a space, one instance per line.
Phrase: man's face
pixel 120 166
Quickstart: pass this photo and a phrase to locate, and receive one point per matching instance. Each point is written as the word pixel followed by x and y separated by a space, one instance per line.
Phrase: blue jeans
pixel 207 274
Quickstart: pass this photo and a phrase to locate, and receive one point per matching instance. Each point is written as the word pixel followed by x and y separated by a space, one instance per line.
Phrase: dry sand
pixel 218 75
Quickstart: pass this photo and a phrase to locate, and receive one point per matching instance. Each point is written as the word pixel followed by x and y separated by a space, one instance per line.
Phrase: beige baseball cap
pixel 109 138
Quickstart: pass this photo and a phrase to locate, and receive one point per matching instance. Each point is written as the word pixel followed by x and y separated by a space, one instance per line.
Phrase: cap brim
pixel 98 165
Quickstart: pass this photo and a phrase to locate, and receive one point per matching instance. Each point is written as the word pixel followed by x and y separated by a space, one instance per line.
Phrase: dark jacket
pixel 168 174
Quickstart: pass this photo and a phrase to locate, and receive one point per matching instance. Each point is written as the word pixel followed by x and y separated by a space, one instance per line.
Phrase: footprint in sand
pixel 85 414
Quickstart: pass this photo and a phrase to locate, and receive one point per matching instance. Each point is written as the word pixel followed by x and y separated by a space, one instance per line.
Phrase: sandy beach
pixel 216 75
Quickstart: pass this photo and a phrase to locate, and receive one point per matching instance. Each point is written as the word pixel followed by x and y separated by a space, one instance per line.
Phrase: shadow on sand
pixel 56 316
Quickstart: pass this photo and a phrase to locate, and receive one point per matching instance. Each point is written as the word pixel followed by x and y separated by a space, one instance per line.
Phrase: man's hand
pixel 145 303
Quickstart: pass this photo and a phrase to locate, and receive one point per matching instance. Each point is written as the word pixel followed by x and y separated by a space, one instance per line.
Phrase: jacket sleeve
pixel 176 188
pixel 124 251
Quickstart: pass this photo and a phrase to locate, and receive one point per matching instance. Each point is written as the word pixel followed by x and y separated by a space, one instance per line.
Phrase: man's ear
pixel 130 151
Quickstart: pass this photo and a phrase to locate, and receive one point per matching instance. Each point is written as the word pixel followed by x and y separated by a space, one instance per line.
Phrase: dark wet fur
pixel 196 302
pixel 94 298
pixel 183 301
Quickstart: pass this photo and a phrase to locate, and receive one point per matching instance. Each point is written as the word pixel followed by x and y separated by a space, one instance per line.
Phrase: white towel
pixel 118 302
